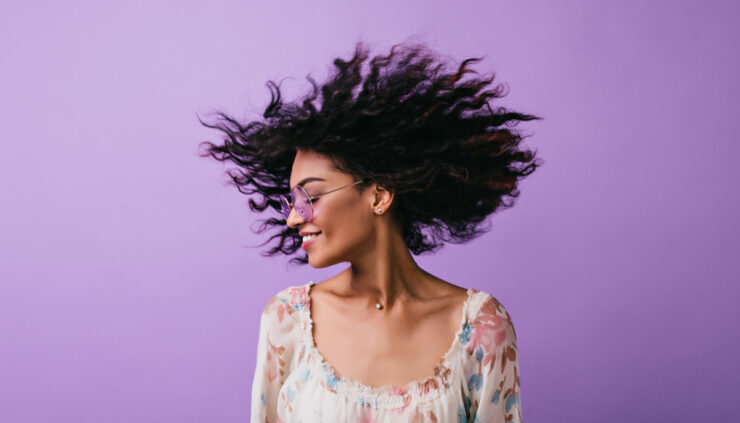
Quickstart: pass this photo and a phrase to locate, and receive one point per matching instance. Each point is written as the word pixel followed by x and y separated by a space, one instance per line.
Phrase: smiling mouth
pixel 310 237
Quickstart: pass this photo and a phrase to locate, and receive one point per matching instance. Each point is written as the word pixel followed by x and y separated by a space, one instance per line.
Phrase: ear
pixel 383 199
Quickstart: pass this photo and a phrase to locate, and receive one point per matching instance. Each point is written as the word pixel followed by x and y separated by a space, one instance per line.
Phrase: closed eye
pixel 312 196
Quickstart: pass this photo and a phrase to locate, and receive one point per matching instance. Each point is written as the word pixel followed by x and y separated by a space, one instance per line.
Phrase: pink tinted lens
pixel 301 202
pixel 285 207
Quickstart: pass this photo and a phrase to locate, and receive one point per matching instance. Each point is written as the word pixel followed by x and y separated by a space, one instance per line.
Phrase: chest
pixel 378 352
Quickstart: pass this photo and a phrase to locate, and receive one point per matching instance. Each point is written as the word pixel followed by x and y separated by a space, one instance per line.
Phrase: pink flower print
pixel 406 402
pixel 274 368
pixel 488 330
pixel 271 372
pixel 490 307
pixel 298 295
pixel 442 370
pixel 399 391
pixel 276 306
pixel 427 385
pixel 396 390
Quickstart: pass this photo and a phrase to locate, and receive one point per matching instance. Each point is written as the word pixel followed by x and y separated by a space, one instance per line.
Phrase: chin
pixel 317 262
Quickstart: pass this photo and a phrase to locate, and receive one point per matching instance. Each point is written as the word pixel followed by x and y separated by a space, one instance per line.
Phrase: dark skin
pixel 420 312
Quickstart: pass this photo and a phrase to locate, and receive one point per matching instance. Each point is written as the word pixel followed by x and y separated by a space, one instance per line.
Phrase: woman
pixel 370 168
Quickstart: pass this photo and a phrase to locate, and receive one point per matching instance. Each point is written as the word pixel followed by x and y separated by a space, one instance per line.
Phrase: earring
pixel 380 210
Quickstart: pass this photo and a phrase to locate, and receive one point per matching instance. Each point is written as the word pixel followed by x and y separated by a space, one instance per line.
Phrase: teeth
pixel 307 237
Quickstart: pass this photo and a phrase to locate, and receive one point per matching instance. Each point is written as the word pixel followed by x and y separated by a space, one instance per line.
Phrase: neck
pixel 388 276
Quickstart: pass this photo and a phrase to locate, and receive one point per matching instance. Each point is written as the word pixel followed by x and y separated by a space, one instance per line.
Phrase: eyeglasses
pixel 302 201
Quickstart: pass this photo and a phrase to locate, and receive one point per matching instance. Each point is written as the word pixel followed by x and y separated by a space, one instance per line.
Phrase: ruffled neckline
pixel 389 396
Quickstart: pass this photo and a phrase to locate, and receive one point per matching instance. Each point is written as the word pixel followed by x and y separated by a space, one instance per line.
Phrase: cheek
pixel 336 217
pixel 318 210
pixel 325 211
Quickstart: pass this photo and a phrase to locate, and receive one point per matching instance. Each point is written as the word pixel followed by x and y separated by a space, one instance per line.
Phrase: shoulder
pixel 286 303
pixel 281 334
pixel 487 306
pixel 491 360
pixel 489 325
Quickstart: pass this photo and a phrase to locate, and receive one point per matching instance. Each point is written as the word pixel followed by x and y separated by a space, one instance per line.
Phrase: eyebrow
pixel 307 180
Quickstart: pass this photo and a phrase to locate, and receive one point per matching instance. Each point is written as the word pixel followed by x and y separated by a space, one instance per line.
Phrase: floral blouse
pixel 477 380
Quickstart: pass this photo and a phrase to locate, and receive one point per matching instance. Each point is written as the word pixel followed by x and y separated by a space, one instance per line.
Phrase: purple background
pixel 130 294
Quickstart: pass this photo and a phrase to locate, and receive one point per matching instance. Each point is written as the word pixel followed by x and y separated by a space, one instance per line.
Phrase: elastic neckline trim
pixel 389 396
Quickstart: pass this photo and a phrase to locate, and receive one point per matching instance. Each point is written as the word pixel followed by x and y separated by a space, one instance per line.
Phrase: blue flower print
pixel 362 403
pixel 475 382
pixel 365 403
pixel 512 401
pixel 464 411
pixel 461 415
pixel 465 335
pixel 305 374
pixel 479 353
pixel 495 396
pixel 332 380
pixel 291 393
pixel 297 307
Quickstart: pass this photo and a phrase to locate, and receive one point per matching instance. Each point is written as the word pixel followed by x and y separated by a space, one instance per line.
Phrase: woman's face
pixel 344 217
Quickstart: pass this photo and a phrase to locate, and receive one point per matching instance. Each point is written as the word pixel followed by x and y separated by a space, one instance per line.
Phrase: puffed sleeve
pixel 492 369
pixel 275 347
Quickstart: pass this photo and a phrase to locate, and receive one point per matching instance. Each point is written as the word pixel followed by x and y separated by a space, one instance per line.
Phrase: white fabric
pixel 476 381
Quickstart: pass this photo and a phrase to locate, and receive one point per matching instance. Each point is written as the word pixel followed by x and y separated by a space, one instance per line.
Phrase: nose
pixel 294 219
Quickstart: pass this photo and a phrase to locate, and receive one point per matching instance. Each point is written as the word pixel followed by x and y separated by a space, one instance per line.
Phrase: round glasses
pixel 301 201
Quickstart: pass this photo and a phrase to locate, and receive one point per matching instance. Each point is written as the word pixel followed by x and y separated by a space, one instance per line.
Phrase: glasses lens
pixel 284 206
pixel 301 203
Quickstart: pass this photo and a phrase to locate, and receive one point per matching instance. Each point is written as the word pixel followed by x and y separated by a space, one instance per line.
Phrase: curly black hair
pixel 425 133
